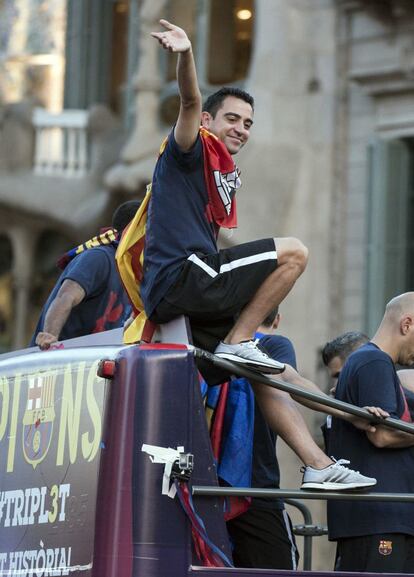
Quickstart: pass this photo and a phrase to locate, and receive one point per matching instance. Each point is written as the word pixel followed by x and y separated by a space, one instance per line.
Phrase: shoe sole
pixel 250 364
pixel 337 486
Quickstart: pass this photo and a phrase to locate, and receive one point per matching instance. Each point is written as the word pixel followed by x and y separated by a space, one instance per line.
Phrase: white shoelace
pixel 341 463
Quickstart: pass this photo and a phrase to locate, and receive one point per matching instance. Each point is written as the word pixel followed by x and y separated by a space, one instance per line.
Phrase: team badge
pixel 38 418
pixel 385 547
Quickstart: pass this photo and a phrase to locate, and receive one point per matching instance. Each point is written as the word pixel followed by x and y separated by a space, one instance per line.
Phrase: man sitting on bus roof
pixel 88 296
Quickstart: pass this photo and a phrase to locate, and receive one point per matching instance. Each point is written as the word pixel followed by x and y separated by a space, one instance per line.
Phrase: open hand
pixel 377 411
pixel 365 425
pixel 173 39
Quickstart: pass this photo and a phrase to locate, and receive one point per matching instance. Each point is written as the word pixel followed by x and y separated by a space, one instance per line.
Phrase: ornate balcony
pixel 61 143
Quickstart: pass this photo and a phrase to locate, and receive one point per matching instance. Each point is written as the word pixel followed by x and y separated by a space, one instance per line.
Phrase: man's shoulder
pixel 170 148
pixel 273 338
pixel 87 263
pixel 368 353
pixel 368 362
pixel 278 347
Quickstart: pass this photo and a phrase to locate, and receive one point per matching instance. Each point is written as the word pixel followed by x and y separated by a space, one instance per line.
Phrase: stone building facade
pixel 330 159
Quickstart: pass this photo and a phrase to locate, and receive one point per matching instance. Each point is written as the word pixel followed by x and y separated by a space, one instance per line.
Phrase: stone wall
pixel 378 104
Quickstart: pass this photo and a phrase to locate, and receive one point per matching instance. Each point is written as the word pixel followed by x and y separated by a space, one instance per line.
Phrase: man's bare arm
pixel 69 295
pixel 386 438
pixel 175 39
pixel 292 376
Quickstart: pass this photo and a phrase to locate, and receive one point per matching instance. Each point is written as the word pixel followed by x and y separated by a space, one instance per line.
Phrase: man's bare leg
pixel 292 257
pixel 285 419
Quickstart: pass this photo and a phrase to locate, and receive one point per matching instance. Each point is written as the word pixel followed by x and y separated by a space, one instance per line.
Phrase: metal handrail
pixel 295 494
pixel 289 495
pixel 275 383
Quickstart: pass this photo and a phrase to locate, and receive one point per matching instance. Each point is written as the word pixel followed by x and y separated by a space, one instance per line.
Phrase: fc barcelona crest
pixel 385 547
pixel 38 418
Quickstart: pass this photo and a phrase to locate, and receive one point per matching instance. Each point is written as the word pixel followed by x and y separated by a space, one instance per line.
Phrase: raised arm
pixel 175 39
pixel 69 295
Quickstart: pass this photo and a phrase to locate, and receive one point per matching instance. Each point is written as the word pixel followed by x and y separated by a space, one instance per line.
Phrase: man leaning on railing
pixel 377 536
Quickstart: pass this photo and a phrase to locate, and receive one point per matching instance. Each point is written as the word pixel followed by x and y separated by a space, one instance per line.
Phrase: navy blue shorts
pixel 218 285
pixel 211 290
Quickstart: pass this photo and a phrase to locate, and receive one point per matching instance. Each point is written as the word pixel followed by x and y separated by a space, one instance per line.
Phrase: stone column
pixel 147 83
pixel 138 157
pixel 24 244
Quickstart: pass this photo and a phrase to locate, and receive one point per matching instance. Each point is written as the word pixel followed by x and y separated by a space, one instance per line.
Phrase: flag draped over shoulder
pixel 222 179
pixel 130 260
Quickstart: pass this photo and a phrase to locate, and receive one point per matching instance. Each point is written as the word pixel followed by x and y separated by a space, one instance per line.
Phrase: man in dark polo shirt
pixel 377 536
pixel 89 296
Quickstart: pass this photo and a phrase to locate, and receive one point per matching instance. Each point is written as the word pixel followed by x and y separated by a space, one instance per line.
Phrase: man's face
pixel 231 124
pixel 334 368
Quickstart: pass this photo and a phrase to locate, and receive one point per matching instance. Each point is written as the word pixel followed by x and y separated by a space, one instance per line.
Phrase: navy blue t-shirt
pixel 177 225
pixel 265 466
pixel 105 305
pixel 369 378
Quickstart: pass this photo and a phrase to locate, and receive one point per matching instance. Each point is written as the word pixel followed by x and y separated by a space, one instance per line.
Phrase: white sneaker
pixel 250 355
pixel 336 477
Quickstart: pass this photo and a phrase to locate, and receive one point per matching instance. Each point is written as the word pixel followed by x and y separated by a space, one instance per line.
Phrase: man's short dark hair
pixel 343 346
pixel 270 319
pixel 124 214
pixel 215 101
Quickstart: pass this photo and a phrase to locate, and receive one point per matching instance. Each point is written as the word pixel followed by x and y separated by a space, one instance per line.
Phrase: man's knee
pixel 292 251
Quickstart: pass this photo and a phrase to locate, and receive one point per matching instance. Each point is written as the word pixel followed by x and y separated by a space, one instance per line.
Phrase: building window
pixel 390 242
pixel 231 37
pixel 96 53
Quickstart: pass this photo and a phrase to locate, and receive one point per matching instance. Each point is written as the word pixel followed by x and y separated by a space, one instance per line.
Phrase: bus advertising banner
pixel 51 421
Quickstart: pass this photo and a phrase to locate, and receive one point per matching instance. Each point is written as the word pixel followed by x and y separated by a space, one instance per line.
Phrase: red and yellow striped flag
pixel 130 259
